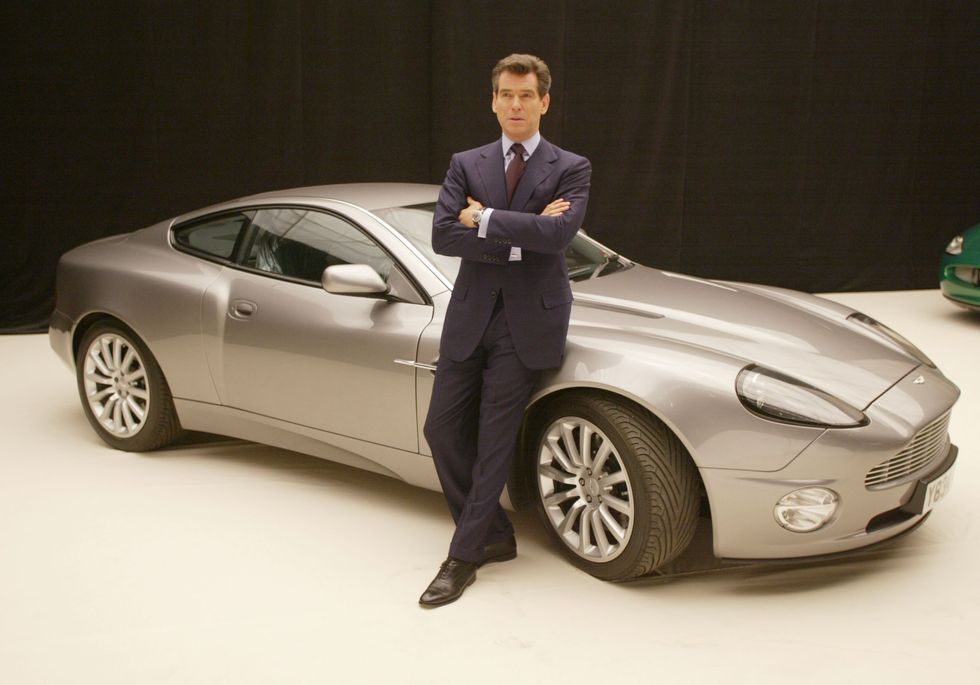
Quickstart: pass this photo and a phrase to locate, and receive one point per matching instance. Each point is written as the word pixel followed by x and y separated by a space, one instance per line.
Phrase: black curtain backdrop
pixel 814 144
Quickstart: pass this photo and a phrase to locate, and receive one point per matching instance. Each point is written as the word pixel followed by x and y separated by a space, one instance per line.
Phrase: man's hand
pixel 466 214
pixel 556 208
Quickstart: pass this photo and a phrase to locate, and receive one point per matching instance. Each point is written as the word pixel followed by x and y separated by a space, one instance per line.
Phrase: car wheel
pixel 613 485
pixel 123 391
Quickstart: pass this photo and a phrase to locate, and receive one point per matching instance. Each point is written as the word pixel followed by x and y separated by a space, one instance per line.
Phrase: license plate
pixel 937 489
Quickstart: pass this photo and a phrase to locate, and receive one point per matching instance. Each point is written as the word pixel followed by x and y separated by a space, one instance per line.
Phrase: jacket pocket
pixel 557 297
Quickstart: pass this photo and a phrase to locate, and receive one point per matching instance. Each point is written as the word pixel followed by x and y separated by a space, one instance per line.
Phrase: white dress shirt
pixel 530 145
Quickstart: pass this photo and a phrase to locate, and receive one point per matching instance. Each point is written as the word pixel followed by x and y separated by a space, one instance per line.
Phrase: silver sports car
pixel 309 319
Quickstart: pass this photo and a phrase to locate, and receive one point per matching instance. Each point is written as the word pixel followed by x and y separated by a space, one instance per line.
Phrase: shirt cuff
pixel 481 231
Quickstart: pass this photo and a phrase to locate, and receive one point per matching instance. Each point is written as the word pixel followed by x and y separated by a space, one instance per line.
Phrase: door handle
pixel 419 365
pixel 242 309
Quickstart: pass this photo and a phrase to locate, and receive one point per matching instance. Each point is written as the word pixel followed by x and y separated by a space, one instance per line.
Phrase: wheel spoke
pixel 95 397
pixel 618 504
pixel 107 408
pixel 98 378
pixel 127 360
pixel 585 445
pixel 139 392
pixel 556 475
pixel 601 541
pixel 96 356
pixel 607 481
pixel 570 517
pixel 556 451
pixel 117 346
pixel 128 417
pixel 135 408
pixel 136 375
pixel 585 534
pixel 106 354
pixel 601 455
pixel 568 437
pixel 611 524
pixel 556 498
pixel 117 416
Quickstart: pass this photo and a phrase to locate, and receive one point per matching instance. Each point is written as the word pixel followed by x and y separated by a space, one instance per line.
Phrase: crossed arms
pixel 550 231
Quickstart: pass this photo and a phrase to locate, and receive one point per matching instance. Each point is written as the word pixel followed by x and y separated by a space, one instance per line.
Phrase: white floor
pixel 237 563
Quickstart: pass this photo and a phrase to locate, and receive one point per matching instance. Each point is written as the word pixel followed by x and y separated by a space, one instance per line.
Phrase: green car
pixel 960 278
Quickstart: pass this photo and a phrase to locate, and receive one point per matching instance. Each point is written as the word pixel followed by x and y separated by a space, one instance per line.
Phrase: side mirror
pixel 353 279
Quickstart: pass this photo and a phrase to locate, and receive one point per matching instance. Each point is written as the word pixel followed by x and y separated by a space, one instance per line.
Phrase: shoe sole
pixel 433 605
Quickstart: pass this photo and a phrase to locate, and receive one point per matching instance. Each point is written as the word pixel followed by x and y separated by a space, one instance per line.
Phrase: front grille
pixel 929 443
pixel 967 274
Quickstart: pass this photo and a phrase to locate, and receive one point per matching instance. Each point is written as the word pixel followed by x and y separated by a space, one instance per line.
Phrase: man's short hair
pixel 523 64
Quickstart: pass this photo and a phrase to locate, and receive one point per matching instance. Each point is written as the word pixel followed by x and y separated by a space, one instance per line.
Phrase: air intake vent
pixel 929 443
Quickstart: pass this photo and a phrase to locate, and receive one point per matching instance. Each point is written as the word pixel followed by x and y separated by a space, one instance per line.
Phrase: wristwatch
pixel 477 216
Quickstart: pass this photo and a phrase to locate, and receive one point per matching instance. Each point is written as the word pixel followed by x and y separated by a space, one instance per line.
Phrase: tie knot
pixel 517 149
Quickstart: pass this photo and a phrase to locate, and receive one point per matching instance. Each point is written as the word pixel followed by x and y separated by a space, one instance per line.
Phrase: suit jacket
pixel 537 296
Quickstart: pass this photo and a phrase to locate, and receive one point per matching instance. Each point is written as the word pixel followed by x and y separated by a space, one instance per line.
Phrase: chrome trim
pixel 417 365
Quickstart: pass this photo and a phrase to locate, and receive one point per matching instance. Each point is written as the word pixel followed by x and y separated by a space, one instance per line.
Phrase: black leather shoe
pixel 455 575
pixel 499 551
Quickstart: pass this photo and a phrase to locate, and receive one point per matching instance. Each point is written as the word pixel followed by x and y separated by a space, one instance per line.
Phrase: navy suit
pixel 505 321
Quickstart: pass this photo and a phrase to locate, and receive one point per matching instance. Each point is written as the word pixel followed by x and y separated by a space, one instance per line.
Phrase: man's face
pixel 518 106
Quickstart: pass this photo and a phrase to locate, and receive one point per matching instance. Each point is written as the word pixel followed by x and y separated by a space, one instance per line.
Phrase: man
pixel 509 209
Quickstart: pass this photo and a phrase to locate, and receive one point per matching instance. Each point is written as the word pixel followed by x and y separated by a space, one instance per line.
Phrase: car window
pixel 215 237
pixel 300 243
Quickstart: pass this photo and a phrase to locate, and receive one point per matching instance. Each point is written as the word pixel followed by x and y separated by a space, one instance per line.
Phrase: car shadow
pixel 697 563
pixel 782 576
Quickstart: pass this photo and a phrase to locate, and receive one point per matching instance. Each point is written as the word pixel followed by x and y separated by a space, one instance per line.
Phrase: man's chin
pixel 518 133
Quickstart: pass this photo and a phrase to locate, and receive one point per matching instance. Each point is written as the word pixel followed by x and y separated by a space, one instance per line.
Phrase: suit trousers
pixel 472 427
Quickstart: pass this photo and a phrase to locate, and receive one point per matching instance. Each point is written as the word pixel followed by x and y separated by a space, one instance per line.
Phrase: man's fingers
pixel 556 208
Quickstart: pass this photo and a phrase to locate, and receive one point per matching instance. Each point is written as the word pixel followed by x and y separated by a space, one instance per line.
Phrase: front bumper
pixel 742 502
pixel 960 279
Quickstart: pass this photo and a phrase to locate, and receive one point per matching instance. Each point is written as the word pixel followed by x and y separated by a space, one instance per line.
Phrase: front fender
pixel 691 390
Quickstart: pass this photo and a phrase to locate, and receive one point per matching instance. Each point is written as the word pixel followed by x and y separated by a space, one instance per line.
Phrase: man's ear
pixel 493 102
pixel 545 101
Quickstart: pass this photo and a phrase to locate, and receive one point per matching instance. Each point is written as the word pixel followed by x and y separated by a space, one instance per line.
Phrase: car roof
pixel 370 196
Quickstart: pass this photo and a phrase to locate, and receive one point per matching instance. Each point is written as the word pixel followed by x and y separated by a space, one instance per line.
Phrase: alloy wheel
pixel 115 383
pixel 585 489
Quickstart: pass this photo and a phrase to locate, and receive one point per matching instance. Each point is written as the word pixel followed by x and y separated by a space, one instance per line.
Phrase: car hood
pixel 798 334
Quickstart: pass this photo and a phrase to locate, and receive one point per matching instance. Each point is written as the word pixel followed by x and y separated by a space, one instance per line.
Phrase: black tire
pixel 128 393
pixel 661 481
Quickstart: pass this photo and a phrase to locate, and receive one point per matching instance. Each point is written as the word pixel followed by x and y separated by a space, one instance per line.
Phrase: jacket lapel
pixel 539 167
pixel 491 169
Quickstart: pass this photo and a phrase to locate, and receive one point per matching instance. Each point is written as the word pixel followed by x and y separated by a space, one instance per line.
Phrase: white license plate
pixel 938 489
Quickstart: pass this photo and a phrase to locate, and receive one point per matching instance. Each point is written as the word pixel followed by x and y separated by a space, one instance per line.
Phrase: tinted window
pixel 301 243
pixel 215 237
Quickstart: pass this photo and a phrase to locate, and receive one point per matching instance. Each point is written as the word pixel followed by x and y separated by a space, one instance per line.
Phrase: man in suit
pixel 509 209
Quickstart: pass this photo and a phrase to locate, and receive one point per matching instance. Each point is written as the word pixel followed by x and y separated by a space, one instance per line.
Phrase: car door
pixel 281 346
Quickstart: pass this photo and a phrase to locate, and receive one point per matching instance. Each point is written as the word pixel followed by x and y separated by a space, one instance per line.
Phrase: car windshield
pixel 584 257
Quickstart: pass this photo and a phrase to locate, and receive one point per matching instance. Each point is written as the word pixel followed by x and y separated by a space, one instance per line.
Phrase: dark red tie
pixel 514 170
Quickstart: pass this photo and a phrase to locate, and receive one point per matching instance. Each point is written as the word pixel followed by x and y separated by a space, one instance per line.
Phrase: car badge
pixel 920 380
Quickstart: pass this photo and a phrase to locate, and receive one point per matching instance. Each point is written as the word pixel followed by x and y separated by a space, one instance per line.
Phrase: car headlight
pixel 806 510
pixel 895 338
pixel 955 245
pixel 777 396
